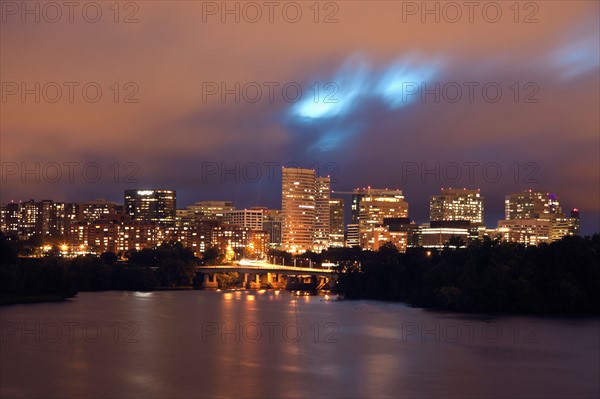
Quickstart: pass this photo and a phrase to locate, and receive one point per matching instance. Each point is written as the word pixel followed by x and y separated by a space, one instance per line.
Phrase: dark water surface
pixel 267 344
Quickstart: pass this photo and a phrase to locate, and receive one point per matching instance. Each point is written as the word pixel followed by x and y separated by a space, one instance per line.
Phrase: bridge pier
pixel 276 281
pixel 254 283
pixel 210 281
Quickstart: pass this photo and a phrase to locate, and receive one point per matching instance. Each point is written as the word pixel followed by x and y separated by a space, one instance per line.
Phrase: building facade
pixel 298 209
pixel 151 206
pixel 457 204
pixel 336 222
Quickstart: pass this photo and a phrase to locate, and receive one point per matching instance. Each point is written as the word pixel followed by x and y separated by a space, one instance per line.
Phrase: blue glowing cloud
pixel 332 114
pixel 356 82
pixel 335 97
pixel 402 81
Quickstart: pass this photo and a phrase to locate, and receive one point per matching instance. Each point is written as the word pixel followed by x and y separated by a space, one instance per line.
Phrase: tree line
pixel 485 276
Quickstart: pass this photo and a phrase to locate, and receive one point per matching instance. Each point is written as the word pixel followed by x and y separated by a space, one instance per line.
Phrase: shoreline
pixel 29 299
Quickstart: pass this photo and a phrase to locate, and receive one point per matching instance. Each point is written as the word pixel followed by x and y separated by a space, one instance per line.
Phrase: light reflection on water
pixel 271 344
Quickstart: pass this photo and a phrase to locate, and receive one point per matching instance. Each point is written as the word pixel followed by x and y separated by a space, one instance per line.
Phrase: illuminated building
pixel 336 222
pixel 102 236
pixel 105 235
pixel 209 210
pixel 534 217
pixel 198 236
pixel 531 205
pixel 231 240
pixel 250 218
pixel 151 206
pixel 138 235
pixel 258 245
pixel 298 209
pixel 438 234
pixel 575 217
pixel 30 219
pixel 525 231
pixel 11 219
pixel 272 224
pixel 405 225
pixel 375 205
pixel 457 204
pixel 44 218
pixel 100 209
pixel 378 236
pixel 322 213
pixel 353 238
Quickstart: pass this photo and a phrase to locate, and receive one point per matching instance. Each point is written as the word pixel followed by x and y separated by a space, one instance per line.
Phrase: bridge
pixel 257 275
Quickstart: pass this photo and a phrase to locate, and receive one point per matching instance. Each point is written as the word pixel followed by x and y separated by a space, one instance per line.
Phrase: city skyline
pixel 176 130
pixel 307 220
pixel 347 205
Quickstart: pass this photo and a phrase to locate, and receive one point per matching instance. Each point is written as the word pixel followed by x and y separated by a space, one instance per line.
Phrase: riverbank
pixel 25 299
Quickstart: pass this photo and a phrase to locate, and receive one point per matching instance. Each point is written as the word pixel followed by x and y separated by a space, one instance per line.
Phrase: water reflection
pixel 272 344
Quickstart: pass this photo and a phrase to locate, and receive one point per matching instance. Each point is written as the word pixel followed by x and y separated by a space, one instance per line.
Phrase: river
pixel 270 344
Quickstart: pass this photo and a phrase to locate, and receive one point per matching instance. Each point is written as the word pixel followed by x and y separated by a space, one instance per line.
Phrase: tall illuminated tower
pixel 298 187
pixel 322 216
pixel 374 205
pixel 151 205
pixel 457 204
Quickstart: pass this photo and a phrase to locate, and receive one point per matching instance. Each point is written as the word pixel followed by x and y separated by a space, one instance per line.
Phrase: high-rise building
pixel 336 222
pixel 322 213
pixel 575 217
pixel 151 206
pixel 353 236
pixel 298 209
pixel 272 223
pixel 457 204
pixel 11 219
pixel 374 206
pixel 534 217
pixel 531 205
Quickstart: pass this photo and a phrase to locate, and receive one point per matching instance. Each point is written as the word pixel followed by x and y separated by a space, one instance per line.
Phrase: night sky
pixel 367 63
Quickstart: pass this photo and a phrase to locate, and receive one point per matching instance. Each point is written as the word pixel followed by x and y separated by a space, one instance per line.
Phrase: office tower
pixel 322 213
pixel 336 222
pixel 272 224
pixel 298 209
pixel 355 206
pixel 457 204
pixel 151 206
pixel 534 217
pixel 531 205
pixel 373 207
pixel 353 237
pixel 250 218
pixel 575 217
